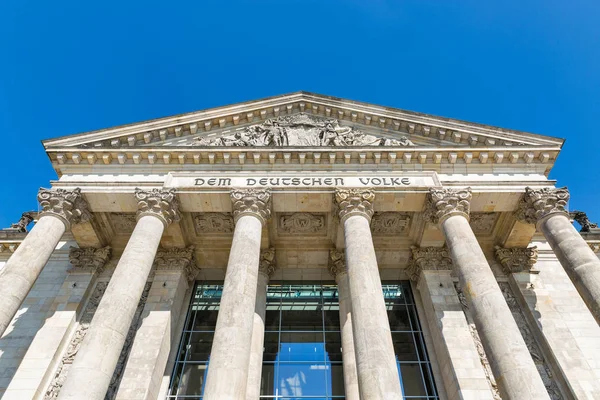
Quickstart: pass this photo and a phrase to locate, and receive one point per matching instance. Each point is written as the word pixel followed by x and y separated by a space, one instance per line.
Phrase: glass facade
pixel 302 351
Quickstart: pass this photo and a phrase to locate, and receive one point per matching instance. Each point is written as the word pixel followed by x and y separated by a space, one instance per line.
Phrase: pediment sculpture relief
pixel 300 130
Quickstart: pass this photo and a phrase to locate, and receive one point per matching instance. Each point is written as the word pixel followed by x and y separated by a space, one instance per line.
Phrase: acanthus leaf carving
pixel 428 259
pixel 516 259
pixel 256 202
pixel 89 259
pixel 353 201
pixel 537 204
pixel 443 203
pixel 68 205
pixel 301 130
pixel 177 259
pixel 161 203
pixel 302 223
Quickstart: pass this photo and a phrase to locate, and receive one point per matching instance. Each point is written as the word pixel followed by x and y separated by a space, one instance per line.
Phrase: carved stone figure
pixel 516 259
pixel 389 223
pixel 21 225
pixel 68 205
pixel 583 220
pixel 301 130
pixel 214 223
pixel 539 203
pixel 301 223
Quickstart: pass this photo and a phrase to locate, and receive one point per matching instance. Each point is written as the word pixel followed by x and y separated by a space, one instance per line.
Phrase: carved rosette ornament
pixel 444 203
pixel 337 263
pixel 67 205
pixel 177 259
pixel 537 204
pixel 255 202
pixel 266 265
pixel 428 259
pixel 161 203
pixel 89 259
pixel 354 202
pixel 517 259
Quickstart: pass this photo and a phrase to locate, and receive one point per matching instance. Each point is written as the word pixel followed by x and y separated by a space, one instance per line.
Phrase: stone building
pixel 296 247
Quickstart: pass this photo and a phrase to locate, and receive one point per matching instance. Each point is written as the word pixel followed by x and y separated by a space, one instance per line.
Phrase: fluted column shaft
pixel 375 358
pixel 511 363
pixel 546 208
pixel 266 269
pixel 60 208
pixel 227 376
pixel 340 273
pixel 89 376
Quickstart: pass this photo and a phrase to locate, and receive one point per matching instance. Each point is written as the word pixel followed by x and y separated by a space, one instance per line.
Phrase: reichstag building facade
pixel 301 247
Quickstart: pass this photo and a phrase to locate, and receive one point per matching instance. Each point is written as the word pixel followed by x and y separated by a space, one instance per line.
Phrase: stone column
pixel 337 268
pixel 60 209
pixel 92 369
pixel 375 358
pixel 174 269
pixel 265 271
pixel 546 208
pixel 511 363
pixel 462 371
pixel 227 376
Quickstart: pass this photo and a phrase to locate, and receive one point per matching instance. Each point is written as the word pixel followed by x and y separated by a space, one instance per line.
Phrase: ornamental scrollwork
pixel 266 264
pixel 428 259
pixel 89 259
pixel 256 202
pixel 354 202
pixel 301 130
pixel 68 205
pixel 214 222
pixel 516 259
pixel 337 263
pixel 177 259
pixel 161 203
pixel 302 223
pixel 443 203
pixel 389 223
pixel 537 204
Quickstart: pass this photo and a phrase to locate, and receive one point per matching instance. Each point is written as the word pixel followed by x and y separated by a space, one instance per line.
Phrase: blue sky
pixel 72 66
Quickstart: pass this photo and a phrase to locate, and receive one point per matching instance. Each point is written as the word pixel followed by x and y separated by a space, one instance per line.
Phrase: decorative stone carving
pixel 122 223
pixel 478 345
pixel 537 204
pixel 256 202
pixel 161 203
pixel 532 345
pixel 483 223
pixel 213 222
pixel 517 259
pixel 443 203
pixel 337 263
pixel 428 259
pixel 266 264
pixel 73 347
pixel 354 202
pixel 583 220
pixel 595 246
pixel 300 130
pixel 89 259
pixel 135 324
pixel 389 223
pixel 21 225
pixel 302 223
pixel 177 259
pixel 68 205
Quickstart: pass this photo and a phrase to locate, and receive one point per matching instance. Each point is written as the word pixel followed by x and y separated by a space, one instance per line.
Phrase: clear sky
pixel 74 66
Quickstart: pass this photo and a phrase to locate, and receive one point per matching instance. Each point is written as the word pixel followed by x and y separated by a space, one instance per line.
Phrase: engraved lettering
pixel 224 181
pixel 285 181
pixel 306 181
pixel 339 181
pixel 364 181
pixel 395 181
pixel 376 181
pixel 250 181
pixel 328 181
pixel 212 181
pixel 263 181
pixel 405 181
pixel 317 181
pixel 295 181
pixel 199 182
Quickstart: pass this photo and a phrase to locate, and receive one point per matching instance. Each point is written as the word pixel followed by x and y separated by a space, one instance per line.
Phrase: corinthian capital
pixel 443 203
pixel 337 263
pixel 266 264
pixel 255 202
pixel 517 259
pixel 161 203
pixel 537 204
pixel 355 202
pixel 177 259
pixel 68 205
pixel 428 259
pixel 89 259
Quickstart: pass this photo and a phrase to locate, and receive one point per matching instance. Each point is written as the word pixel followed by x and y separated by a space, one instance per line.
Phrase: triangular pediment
pixel 302 120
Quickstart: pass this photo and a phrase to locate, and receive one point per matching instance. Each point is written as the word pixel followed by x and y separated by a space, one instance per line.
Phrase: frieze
pixel 301 130
pixel 389 223
pixel 302 223
pixel 213 222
